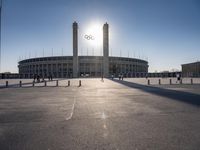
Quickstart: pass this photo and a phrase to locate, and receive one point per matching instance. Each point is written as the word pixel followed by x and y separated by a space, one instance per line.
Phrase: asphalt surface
pixel 109 115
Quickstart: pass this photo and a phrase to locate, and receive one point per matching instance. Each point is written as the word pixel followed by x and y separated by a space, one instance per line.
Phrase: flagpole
pixel 0 32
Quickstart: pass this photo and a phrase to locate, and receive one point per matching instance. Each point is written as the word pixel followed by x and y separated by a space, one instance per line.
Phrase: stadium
pixel 83 66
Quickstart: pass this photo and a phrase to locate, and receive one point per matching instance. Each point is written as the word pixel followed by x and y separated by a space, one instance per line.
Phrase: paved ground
pixel 120 115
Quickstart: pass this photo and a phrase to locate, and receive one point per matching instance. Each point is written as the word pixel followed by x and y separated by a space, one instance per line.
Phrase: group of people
pixel 121 77
pixel 38 78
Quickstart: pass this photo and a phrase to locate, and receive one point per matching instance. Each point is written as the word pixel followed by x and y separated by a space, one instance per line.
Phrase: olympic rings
pixel 89 37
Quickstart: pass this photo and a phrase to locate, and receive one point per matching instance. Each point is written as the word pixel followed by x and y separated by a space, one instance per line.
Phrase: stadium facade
pixel 77 66
pixel 191 69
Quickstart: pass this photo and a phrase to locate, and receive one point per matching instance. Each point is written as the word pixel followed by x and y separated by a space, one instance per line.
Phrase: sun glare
pixel 94 34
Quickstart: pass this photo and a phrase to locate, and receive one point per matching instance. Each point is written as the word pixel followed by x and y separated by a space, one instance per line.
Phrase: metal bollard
pixel 45 83
pixel 33 83
pixel 20 83
pixel 159 82
pixel 170 81
pixel 148 82
pixel 191 81
pixel 181 81
pixel 56 82
pixel 79 82
pixel 6 83
pixel 68 83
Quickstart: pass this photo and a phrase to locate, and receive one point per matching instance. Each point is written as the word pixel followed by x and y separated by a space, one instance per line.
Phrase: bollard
pixel 170 81
pixel 45 83
pixel 79 82
pixel 180 81
pixel 148 82
pixel 6 83
pixel 33 84
pixel 191 81
pixel 159 82
pixel 68 83
pixel 20 83
pixel 56 82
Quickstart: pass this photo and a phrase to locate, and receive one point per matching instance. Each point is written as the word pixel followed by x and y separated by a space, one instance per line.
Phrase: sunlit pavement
pixel 121 115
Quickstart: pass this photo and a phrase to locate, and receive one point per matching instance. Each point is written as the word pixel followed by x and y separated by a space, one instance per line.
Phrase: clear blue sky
pixel 165 31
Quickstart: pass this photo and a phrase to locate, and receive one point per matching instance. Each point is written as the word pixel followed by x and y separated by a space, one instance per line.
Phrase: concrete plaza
pixel 109 114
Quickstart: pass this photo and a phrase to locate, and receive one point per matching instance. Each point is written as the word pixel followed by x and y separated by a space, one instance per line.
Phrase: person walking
pixel 119 77
pixel 38 78
pixel 178 78
pixel 34 77
pixel 102 78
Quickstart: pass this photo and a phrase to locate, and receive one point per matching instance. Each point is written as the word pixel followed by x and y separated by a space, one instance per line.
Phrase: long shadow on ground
pixel 186 97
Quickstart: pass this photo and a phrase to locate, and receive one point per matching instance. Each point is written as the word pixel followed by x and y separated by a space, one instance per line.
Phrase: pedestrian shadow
pixel 182 96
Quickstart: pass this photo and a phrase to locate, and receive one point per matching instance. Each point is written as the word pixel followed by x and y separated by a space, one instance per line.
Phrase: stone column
pixel 105 50
pixel 57 74
pixel 47 69
pixel 75 50
pixel 62 70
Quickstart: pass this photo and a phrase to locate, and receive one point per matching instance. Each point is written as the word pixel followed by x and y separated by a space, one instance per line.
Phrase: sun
pixel 94 34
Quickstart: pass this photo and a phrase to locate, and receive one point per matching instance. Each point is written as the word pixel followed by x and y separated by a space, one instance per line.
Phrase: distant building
pixel 164 74
pixel 191 69
pixel 78 66
pixel 8 75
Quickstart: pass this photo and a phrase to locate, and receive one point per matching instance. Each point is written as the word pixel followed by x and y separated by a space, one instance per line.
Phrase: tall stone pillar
pixel 105 50
pixel 75 50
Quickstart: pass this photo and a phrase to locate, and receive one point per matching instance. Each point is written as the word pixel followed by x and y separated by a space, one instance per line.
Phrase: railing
pixel 44 83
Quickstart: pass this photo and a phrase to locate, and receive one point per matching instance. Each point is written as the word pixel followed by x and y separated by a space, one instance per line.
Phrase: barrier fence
pixel 171 83
pixel 55 83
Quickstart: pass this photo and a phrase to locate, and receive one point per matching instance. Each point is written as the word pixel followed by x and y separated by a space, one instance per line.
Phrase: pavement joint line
pixel 72 112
